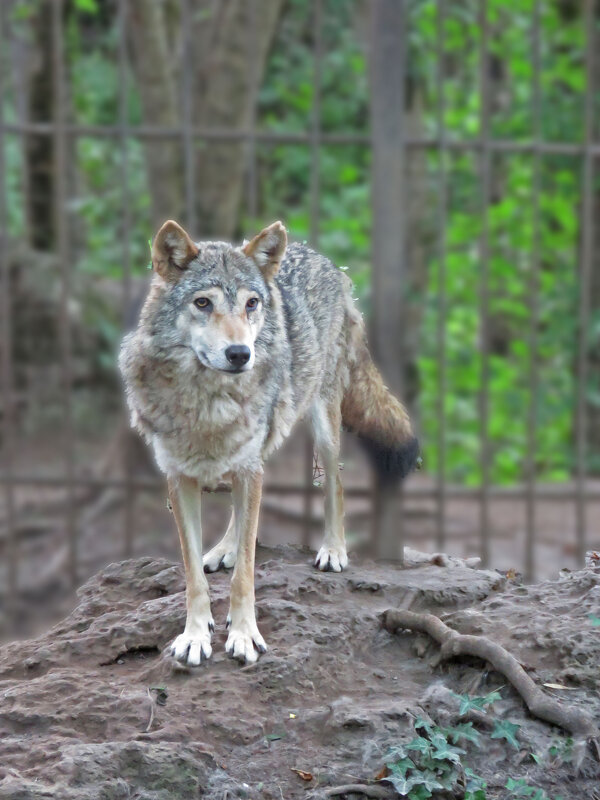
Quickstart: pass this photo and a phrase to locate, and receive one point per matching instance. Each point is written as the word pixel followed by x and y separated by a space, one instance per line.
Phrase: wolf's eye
pixel 252 304
pixel 202 302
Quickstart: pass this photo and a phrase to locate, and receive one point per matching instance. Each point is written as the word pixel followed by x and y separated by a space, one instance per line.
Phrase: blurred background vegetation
pixel 280 97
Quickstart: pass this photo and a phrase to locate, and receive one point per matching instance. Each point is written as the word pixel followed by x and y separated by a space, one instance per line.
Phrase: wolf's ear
pixel 172 251
pixel 267 248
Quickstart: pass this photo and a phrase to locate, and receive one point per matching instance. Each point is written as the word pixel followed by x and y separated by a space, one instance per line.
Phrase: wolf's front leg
pixel 193 645
pixel 244 641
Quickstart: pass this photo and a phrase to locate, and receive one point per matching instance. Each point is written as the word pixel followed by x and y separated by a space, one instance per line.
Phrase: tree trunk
pixel 153 62
pixel 387 51
pixel 227 82
pixel 227 68
pixel 39 149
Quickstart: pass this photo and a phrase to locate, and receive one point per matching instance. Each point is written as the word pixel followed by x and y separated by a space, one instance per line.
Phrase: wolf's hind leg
pixel 326 421
pixel 194 645
pixel 224 553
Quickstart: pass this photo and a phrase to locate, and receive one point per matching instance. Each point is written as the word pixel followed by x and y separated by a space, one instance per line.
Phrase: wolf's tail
pixel 374 414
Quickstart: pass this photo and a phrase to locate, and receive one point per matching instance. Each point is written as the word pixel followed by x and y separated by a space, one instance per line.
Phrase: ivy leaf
pixel 420 744
pixel 464 730
pixel 420 793
pixel 396 752
pixel 503 729
pixel 402 784
pixel 520 788
pixel 422 723
pixel 479 703
pixel 474 781
pixel 444 751
pixel 400 767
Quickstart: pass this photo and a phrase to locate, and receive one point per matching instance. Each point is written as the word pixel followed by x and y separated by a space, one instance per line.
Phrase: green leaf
pixel 420 793
pixel 444 751
pixel 478 794
pixel 400 767
pixel 479 703
pixel 402 784
pixel 520 788
pixel 420 744
pixel 463 730
pixel 503 729
pixel 594 620
pixel 422 723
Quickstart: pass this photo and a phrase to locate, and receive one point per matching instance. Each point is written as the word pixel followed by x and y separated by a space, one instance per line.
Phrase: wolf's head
pixel 215 295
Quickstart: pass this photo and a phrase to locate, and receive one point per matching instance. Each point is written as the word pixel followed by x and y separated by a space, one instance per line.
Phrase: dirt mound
pixel 94 709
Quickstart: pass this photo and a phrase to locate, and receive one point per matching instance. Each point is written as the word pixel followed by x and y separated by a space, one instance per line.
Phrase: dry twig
pixel 152 707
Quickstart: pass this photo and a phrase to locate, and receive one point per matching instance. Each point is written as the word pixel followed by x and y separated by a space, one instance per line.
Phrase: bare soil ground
pixel 94 709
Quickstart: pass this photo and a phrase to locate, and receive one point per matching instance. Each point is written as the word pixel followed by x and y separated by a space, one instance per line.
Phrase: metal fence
pixel 391 147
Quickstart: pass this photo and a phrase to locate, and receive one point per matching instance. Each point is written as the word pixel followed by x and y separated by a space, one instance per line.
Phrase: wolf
pixel 233 346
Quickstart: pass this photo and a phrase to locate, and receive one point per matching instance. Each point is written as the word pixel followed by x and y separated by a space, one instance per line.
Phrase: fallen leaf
pixel 306 776
pixel 511 574
pixel 558 686
pixel 383 773
pixel 292 716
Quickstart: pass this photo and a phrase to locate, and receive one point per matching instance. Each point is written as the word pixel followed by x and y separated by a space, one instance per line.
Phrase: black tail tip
pixel 392 463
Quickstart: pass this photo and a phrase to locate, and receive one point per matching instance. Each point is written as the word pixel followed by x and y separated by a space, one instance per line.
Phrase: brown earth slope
pixel 94 709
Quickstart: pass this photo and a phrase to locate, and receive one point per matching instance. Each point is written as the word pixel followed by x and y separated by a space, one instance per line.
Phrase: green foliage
pixel 517 221
pixel 562 749
pixel 478 703
pixel 533 238
pixel 430 761
pixel 503 729
pixel 520 788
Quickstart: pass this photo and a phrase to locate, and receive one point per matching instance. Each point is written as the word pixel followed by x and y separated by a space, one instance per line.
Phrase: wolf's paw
pixel 244 642
pixel 220 557
pixel 331 558
pixel 193 647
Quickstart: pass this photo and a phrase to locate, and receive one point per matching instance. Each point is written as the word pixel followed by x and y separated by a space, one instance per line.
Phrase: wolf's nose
pixel 238 355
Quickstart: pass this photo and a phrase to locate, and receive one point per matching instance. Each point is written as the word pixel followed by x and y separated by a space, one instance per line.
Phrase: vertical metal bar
pixel 129 503
pixel 387 112
pixel 6 347
pixel 187 88
pixel 313 234
pixel 533 292
pixel 585 277
pixel 441 276
pixel 252 41
pixel 61 225
pixel 484 297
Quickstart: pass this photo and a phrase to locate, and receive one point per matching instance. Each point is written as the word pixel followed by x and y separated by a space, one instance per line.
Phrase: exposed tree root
pixel 361 788
pixel 453 644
